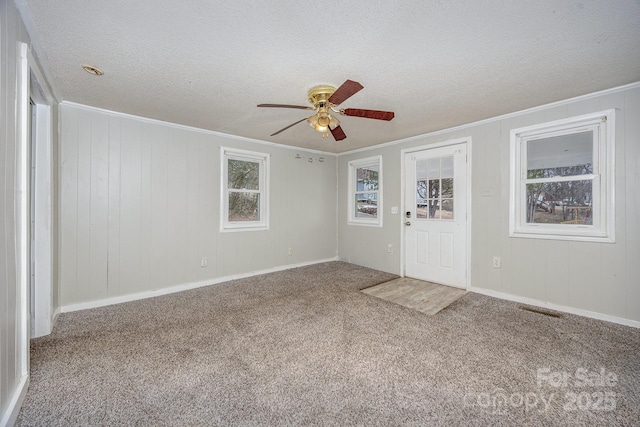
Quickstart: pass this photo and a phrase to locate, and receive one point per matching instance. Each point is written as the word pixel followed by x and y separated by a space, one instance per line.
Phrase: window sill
pixel 576 236
pixel 365 223
pixel 244 228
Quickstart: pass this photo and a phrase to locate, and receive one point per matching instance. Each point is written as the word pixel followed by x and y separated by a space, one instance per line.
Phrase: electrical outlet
pixel 204 262
pixel 390 248
pixel 497 262
pixel 290 251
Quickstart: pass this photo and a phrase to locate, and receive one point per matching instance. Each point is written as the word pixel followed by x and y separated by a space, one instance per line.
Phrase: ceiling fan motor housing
pixel 320 94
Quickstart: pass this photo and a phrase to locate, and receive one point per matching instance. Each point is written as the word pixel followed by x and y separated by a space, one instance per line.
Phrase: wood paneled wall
pixel 140 207
pixel 602 278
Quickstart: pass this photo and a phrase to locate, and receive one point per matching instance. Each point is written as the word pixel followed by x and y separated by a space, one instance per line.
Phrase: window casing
pixel 365 192
pixel 245 190
pixel 562 179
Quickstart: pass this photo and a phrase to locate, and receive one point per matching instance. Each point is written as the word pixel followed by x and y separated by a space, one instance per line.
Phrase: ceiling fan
pixel 325 100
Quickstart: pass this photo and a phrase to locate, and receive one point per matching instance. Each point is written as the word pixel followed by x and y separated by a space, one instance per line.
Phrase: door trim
pixel 43 200
pixel 403 153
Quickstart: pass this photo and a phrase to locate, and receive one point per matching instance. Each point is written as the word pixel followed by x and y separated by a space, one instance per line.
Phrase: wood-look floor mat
pixel 426 297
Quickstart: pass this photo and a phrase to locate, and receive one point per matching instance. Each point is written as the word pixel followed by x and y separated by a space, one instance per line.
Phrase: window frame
pixel 602 125
pixel 263 160
pixel 353 166
pixel 439 199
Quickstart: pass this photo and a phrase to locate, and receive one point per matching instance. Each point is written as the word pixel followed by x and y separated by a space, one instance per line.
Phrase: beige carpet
pixel 305 347
pixel 426 297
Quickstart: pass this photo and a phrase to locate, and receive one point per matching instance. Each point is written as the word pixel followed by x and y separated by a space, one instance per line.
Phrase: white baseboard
pixel 13 409
pixel 556 307
pixel 182 287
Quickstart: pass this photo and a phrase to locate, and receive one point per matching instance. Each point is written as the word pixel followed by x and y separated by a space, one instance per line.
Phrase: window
pixel 365 191
pixel 562 179
pixel 245 185
pixel 434 188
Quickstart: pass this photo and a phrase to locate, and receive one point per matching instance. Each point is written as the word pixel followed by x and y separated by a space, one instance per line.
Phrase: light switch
pixel 394 210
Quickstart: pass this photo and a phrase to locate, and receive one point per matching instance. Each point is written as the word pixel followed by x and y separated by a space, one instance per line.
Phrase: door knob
pixel 407 223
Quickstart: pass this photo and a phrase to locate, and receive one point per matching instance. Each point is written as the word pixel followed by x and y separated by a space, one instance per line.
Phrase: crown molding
pixel 193 129
pixel 498 118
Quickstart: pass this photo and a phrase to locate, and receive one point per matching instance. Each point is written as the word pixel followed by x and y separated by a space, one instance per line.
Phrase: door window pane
pixel 422 211
pixel 434 188
pixel 447 209
pixel 447 187
pixel 447 167
pixel 433 168
pixel 434 212
pixel 421 192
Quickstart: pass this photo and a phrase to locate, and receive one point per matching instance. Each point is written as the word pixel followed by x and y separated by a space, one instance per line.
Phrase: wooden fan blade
pixel 299 107
pixel 347 90
pixel 338 133
pixel 369 114
pixel 292 124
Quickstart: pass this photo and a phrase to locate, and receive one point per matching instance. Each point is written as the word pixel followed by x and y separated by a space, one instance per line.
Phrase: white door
pixel 435 215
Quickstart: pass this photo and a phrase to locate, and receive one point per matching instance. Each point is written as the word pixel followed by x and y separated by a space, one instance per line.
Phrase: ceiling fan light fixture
pixel 313 121
pixel 323 129
pixel 334 122
pixel 324 119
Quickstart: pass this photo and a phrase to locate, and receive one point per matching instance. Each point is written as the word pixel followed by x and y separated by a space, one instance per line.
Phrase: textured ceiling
pixel 435 63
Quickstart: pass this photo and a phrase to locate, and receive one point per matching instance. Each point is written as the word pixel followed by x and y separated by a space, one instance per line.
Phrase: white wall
pixel 11 31
pixel 591 277
pixel 139 208
pixel 14 350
